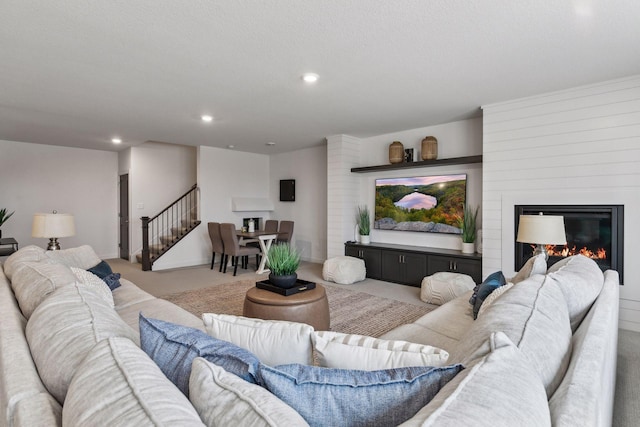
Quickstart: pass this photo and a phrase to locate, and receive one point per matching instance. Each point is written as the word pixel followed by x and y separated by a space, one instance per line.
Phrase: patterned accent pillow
pixel 494 296
pixel 348 351
pixel 94 283
pixel 484 289
pixel 331 397
pixel 104 272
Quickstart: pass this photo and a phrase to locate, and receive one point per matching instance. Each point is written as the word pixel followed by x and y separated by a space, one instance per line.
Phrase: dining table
pixel 265 239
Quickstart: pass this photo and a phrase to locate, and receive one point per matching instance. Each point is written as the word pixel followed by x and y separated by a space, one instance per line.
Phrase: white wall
pixel 159 173
pixel 41 178
pixel 348 190
pixel 576 146
pixel 309 211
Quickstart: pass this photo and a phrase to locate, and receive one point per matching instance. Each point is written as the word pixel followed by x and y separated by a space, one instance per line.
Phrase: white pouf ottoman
pixel 344 270
pixel 440 288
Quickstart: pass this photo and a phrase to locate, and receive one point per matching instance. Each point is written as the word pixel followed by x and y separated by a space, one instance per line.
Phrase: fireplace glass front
pixel 595 231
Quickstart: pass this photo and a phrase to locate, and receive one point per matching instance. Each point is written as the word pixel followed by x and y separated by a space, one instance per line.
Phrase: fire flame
pixel 565 251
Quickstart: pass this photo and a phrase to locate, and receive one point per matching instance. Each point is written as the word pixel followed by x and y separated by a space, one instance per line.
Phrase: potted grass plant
pixel 4 216
pixel 467 226
pixel 364 224
pixel 283 261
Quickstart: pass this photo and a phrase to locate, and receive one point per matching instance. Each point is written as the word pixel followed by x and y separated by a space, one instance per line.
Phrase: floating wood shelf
pixel 421 164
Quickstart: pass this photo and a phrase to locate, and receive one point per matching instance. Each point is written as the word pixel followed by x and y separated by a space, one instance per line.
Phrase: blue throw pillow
pixel 173 347
pixel 331 397
pixel 484 289
pixel 103 271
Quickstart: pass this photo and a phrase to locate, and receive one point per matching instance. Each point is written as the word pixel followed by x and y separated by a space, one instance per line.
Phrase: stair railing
pixel 172 224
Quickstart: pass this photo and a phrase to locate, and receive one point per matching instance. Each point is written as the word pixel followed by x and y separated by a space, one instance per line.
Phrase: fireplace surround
pixel 596 231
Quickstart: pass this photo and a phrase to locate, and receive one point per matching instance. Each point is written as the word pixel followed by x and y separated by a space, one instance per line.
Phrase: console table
pixel 408 265
pixel 8 246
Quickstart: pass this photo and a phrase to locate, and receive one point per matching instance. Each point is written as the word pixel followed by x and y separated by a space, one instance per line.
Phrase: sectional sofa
pixel 542 353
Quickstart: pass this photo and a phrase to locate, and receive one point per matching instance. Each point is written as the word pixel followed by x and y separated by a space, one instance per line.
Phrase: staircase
pixel 163 231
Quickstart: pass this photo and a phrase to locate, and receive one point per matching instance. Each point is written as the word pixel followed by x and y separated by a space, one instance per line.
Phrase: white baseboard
pixel 180 264
pixel 629 315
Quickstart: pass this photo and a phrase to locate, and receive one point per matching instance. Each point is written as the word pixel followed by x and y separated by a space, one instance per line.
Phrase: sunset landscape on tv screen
pixel 432 204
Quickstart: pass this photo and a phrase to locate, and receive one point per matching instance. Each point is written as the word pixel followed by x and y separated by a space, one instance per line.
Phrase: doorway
pixel 124 216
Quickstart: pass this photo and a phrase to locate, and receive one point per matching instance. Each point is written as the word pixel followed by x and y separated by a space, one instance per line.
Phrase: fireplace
pixel 596 231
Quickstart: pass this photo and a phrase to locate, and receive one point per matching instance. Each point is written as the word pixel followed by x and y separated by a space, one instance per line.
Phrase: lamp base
pixel 53 244
pixel 540 249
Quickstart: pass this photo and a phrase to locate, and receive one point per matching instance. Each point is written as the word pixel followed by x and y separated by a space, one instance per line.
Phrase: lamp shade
pixel 541 229
pixel 53 225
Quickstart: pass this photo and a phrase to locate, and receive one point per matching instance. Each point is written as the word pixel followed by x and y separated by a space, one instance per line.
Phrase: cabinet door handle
pixel 455 266
pixel 450 265
pixel 361 254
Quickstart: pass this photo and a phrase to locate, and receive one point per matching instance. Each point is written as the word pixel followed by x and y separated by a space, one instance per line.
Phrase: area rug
pixel 351 312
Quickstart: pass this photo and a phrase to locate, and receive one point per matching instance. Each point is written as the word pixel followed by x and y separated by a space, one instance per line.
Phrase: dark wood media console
pixel 408 265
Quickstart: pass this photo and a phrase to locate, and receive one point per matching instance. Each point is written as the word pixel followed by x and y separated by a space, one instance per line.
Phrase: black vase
pixel 284 282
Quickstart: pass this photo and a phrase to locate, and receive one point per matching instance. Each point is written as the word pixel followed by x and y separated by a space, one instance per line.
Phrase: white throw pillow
pixel 442 287
pixel 348 351
pixel 94 283
pixel 33 282
pixel 493 296
pixel 534 265
pixel 274 342
pixel 236 401
pixel 118 385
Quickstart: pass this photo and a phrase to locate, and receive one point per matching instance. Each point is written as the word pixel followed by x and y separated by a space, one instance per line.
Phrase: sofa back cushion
pixel 83 257
pixel 236 402
pixel 535 317
pixel 29 253
pixel 499 389
pixel 580 280
pixel 117 384
pixel 64 328
pixel 35 281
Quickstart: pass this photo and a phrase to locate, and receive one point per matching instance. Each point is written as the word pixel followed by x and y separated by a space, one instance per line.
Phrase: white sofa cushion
pixel 64 328
pixel 274 342
pixel 580 280
pixel 534 265
pixel 81 257
pixel 95 283
pixel 236 402
pixel 500 389
pixel 29 253
pixel 344 270
pixel 440 288
pixel 117 384
pixel 35 281
pixel 347 351
pixel 535 317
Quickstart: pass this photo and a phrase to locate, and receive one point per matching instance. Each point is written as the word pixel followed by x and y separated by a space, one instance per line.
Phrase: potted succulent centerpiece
pixel 4 216
pixel 467 225
pixel 364 224
pixel 283 261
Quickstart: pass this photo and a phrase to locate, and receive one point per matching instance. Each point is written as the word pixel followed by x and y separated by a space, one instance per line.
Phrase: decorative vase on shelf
pixel 429 149
pixel 365 240
pixel 396 152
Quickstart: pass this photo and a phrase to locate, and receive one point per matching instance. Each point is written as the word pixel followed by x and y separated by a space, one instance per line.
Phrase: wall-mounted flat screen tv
pixel 431 204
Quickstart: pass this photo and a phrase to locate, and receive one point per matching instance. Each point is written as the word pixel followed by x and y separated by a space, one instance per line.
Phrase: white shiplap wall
pixel 342 191
pixel 576 146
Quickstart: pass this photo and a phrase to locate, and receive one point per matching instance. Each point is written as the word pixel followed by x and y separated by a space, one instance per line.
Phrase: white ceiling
pixel 78 72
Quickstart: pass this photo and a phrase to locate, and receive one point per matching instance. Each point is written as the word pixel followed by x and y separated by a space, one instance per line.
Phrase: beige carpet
pixel 351 312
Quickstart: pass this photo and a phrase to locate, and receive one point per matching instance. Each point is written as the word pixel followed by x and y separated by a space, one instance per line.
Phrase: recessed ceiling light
pixel 270 143
pixel 310 77
pixel 206 118
pixel 116 140
pixel 231 146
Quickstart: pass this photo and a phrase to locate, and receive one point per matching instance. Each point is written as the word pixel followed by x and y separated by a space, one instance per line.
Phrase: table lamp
pixel 53 226
pixel 541 230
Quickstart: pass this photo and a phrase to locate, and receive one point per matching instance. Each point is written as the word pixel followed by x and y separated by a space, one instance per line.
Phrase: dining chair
pixel 216 243
pixel 286 227
pixel 232 247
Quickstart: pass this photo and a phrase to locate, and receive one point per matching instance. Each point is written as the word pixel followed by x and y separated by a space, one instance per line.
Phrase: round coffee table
pixel 310 307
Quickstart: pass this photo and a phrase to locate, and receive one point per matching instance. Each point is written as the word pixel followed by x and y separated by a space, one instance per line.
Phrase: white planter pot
pixel 468 248
pixel 365 240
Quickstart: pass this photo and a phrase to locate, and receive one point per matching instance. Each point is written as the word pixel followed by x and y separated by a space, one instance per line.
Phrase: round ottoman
pixel 344 270
pixel 440 288
pixel 310 307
